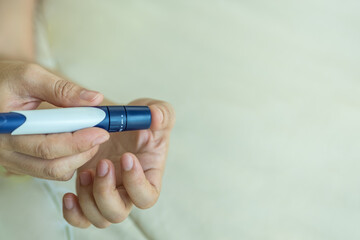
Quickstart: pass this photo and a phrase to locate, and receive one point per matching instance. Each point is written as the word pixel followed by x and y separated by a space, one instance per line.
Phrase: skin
pixel 114 170
pixel 126 170
pixel 16 29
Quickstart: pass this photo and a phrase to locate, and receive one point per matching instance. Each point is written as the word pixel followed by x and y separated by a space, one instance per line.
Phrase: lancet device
pixel 46 121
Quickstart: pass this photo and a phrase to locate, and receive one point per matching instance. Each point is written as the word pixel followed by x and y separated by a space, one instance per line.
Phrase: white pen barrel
pixel 59 120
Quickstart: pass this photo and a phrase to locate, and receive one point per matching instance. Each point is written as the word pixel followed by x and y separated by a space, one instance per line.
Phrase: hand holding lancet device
pixel 110 118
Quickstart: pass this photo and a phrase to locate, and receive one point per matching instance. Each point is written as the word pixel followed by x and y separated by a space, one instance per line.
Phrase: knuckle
pixel 43 150
pixel 29 70
pixel 147 205
pixel 75 221
pixel 117 218
pixel 67 176
pixel 83 225
pixel 101 225
pixel 63 88
pixel 54 172
pixel 78 147
pixel 51 172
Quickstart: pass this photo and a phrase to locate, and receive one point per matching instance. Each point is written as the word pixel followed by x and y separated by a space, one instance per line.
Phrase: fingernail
pixel 85 178
pixel 127 162
pixel 69 204
pixel 88 95
pixel 100 140
pixel 161 114
pixel 102 169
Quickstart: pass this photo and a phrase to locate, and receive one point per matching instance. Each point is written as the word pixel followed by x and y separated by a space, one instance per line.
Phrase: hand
pixel 56 156
pixel 126 170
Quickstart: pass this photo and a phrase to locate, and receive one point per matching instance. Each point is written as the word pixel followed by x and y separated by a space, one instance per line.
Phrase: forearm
pixel 17 29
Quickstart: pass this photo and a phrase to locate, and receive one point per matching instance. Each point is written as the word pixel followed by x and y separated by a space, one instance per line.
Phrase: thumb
pixel 48 87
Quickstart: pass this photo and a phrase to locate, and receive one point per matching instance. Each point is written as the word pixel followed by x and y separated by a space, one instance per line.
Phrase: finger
pixel 46 86
pixel 61 169
pixel 87 201
pixel 114 204
pixel 73 213
pixel 53 146
pixel 162 113
pixel 163 117
pixel 143 193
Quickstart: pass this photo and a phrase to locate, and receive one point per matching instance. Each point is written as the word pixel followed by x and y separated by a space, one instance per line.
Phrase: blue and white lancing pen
pixel 110 118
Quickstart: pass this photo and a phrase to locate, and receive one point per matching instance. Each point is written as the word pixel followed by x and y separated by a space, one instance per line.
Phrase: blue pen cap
pixel 125 118
pixel 138 117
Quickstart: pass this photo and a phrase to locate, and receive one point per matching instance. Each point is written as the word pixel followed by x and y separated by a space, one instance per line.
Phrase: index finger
pixel 53 146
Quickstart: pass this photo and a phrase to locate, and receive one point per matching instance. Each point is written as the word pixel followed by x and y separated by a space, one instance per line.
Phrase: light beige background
pixel 267 95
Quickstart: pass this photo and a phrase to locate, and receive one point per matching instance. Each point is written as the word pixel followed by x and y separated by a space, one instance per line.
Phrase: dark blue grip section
pixel 11 121
pixel 118 119
pixel 125 118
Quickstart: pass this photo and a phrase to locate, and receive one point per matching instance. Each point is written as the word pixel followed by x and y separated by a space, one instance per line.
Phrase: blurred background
pixel 266 144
